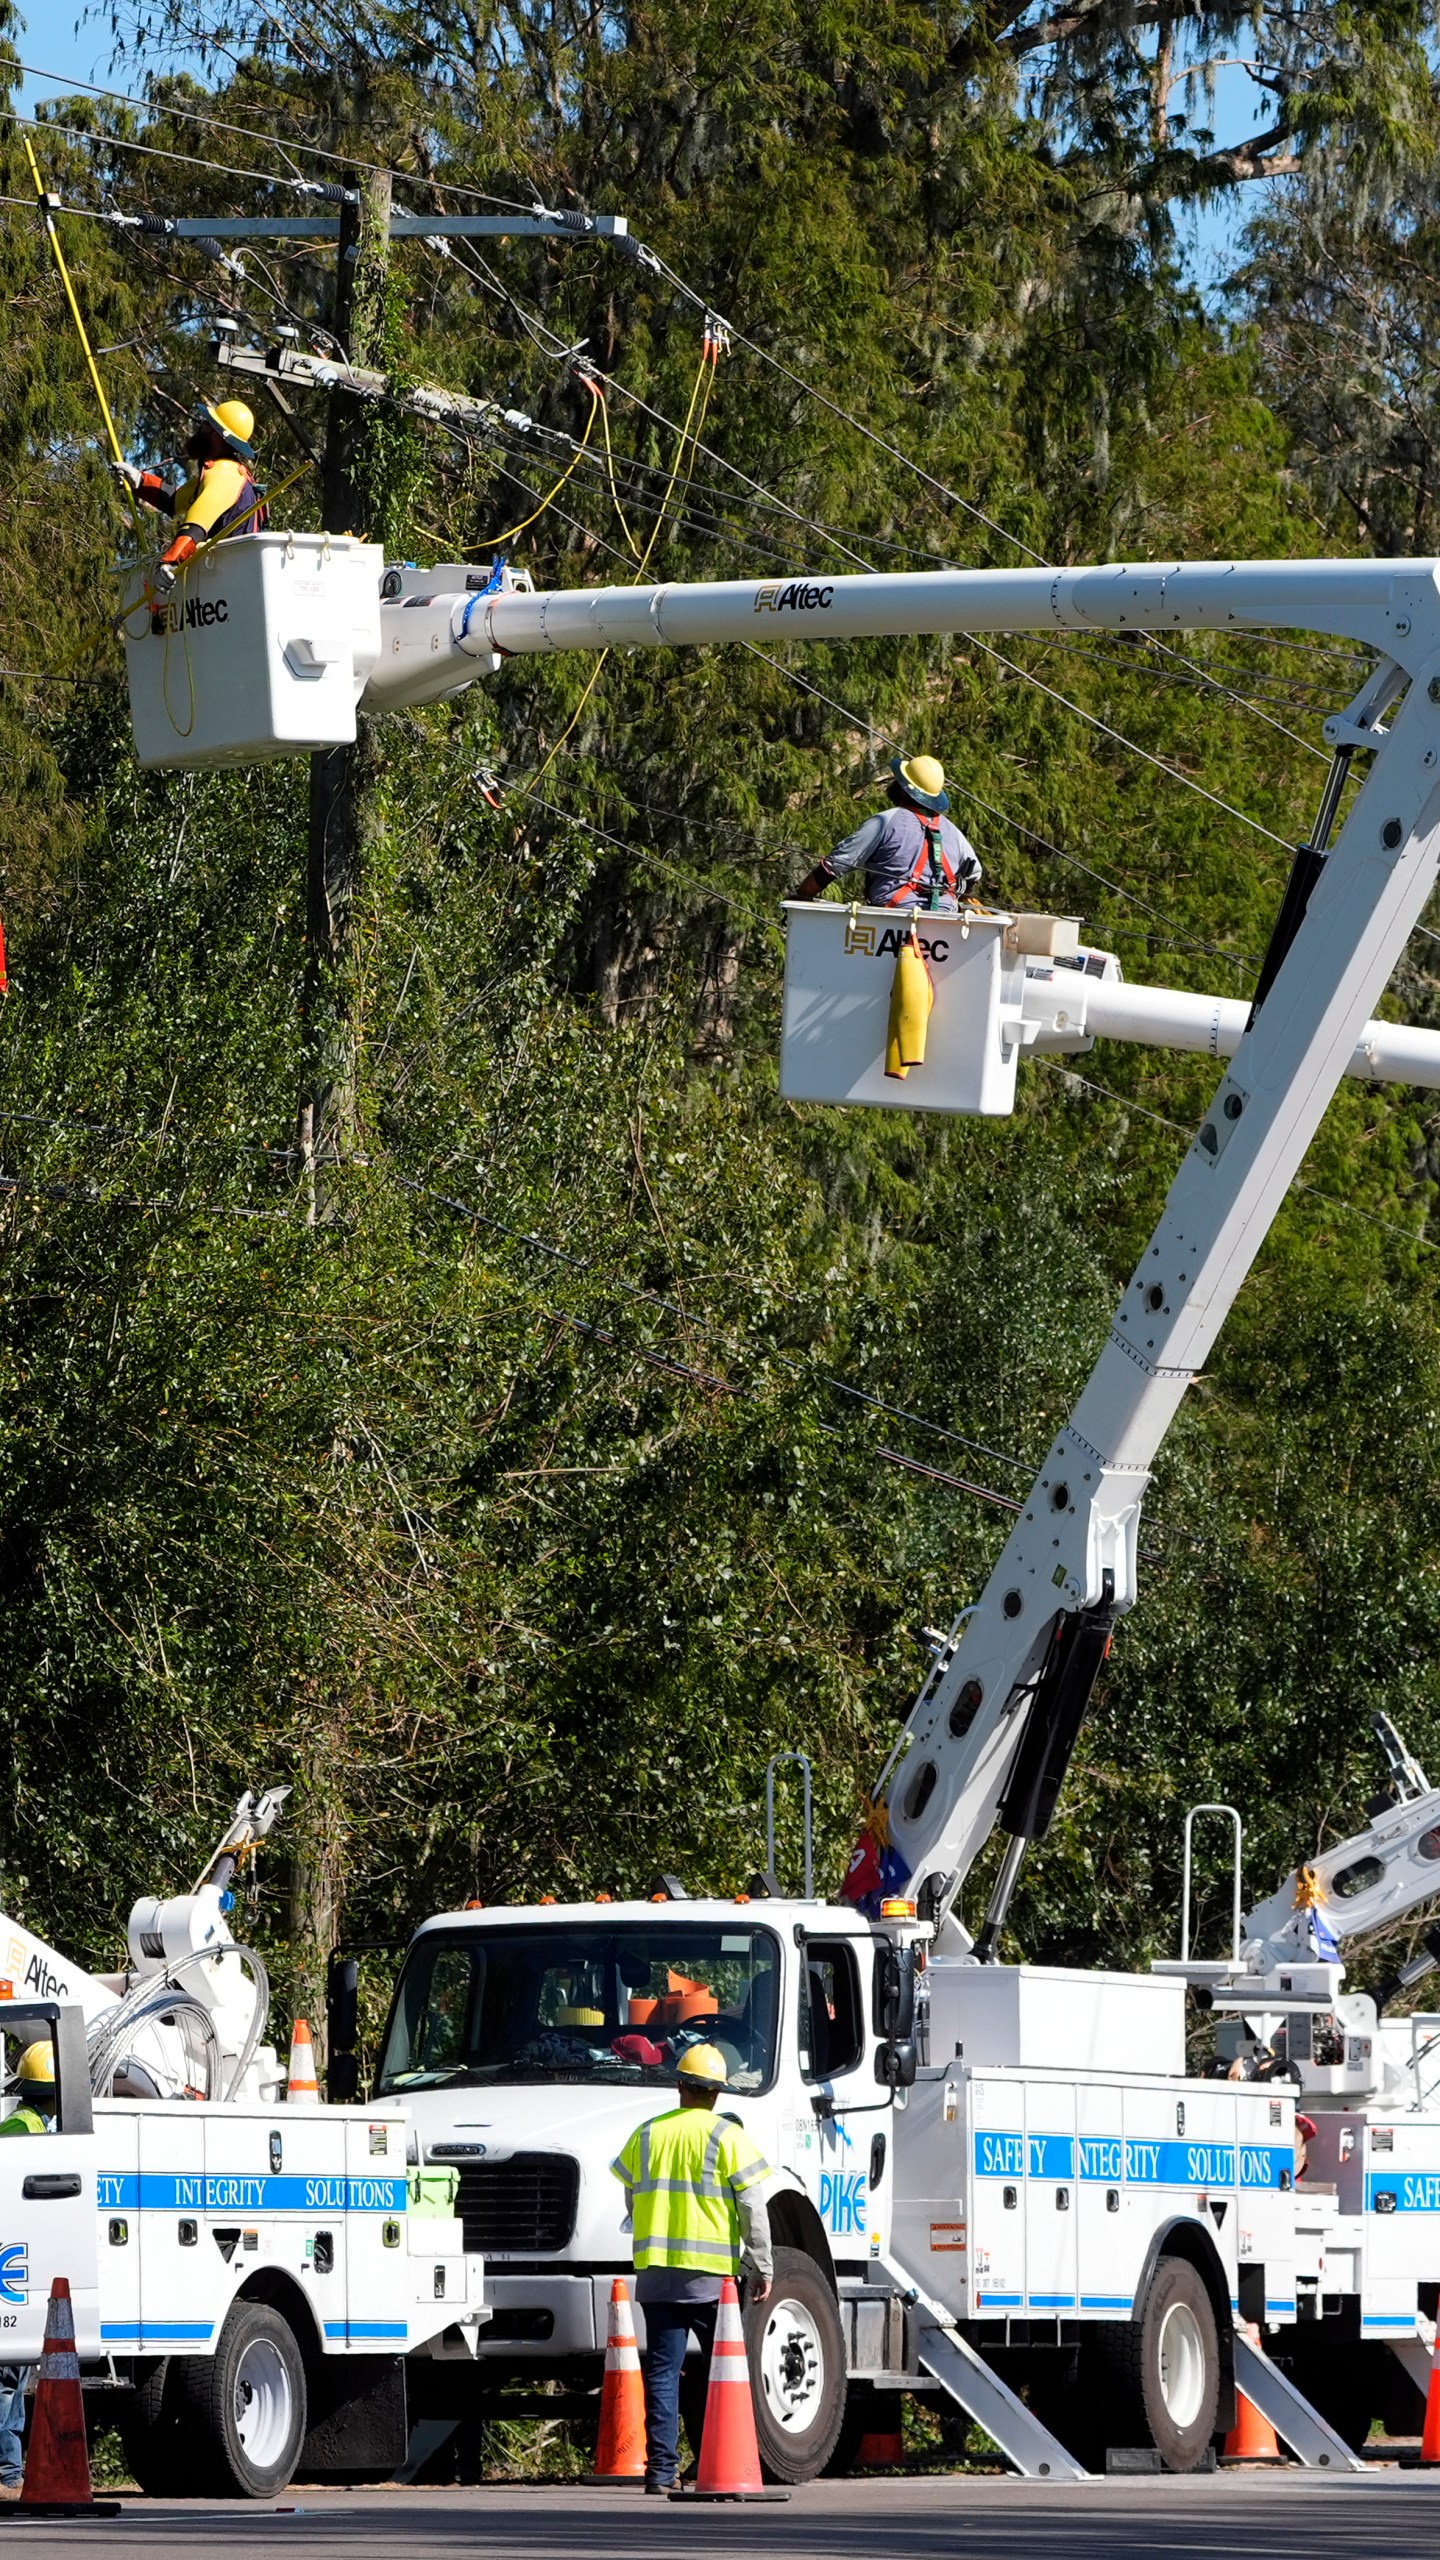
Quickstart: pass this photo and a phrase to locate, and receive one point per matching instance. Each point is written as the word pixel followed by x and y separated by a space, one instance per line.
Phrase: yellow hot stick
pixel 58 253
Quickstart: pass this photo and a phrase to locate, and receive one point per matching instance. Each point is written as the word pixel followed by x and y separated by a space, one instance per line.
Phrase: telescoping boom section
pixel 991 1734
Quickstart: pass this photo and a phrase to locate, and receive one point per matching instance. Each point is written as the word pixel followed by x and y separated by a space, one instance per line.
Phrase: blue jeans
pixel 667 2333
pixel 12 2423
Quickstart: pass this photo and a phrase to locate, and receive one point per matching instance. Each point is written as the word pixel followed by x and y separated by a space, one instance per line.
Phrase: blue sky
pixel 51 39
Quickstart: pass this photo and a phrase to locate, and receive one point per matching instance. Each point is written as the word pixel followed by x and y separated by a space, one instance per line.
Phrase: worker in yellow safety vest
pixel 34 2084
pixel 694 2186
pixel 219 495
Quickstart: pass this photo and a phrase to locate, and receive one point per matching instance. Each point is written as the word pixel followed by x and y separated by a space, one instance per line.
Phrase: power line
pixel 1348 1208
pixel 697 1324
pixel 162 110
pixel 973 640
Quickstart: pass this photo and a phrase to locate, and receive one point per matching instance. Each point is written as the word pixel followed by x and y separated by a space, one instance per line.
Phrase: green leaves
pixel 521 1512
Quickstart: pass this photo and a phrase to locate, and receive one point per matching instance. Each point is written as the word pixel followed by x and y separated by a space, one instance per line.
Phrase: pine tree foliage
pixel 521 1512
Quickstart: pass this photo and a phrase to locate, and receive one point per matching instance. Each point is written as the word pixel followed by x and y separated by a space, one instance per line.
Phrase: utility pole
pixel 341 778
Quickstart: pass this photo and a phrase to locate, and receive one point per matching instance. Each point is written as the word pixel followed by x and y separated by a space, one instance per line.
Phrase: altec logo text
pixel 796 598
pixel 863 938
pixel 198 612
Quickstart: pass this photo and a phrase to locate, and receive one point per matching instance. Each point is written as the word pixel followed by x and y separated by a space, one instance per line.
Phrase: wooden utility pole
pixel 341 778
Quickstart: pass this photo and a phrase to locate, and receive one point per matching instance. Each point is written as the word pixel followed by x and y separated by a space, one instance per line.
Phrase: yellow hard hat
pixel 37 2066
pixel 706 2063
pixel 580 2018
pixel 235 420
pixel 922 779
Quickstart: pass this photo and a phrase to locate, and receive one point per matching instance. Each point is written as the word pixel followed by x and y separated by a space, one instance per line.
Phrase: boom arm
pixel 1072 1553
pixel 992 1729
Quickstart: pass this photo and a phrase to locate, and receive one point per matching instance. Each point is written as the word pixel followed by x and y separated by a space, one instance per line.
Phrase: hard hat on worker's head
pixel 236 422
pixel 36 2068
pixel 922 779
pixel 706 2065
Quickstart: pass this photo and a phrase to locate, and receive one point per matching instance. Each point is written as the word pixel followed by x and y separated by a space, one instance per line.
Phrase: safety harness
pixel 929 870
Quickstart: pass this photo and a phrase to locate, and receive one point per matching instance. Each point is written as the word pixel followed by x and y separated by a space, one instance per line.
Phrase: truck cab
pixel 527 2044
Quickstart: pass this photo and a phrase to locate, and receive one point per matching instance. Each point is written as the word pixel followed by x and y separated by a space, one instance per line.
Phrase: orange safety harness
pixel 930 870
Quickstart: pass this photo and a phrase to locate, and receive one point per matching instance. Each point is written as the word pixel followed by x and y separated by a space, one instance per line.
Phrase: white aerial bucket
pixel 269 640
pixel 839 970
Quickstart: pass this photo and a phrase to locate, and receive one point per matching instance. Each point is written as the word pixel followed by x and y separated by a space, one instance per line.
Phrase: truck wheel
pixel 152 2438
pixel 1164 2370
pixel 246 2406
pixel 797 2370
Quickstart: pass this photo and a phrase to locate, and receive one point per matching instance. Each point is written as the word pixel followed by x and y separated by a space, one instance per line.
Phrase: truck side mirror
pixel 342 2028
pixel 895 1991
pixel 895 2063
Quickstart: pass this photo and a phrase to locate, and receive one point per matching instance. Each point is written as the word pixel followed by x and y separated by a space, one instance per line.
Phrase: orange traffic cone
pixel 57 2464
pixel 620 2451
pixel 1430 2440
pixel 1252 2438
pixel 729 2454
pixel 302 2089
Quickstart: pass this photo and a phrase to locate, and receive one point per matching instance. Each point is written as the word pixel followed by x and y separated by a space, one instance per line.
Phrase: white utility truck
pixel 252 2281
pixel 995 2177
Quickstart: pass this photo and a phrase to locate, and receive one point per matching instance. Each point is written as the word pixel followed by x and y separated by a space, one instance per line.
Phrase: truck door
pixel 850 2109
pixel 47 2185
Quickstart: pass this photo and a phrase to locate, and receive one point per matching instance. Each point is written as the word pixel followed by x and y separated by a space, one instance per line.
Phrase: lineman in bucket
pixel 694 2186
pixel 912 855
pixel 217 497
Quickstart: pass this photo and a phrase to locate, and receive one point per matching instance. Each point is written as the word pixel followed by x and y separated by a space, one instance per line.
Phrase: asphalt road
pixel 1236 2516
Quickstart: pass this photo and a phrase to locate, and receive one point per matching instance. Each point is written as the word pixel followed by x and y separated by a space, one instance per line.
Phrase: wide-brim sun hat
pixel 922 779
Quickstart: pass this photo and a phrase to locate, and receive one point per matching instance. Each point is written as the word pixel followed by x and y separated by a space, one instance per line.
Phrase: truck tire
pixel 245 2406
pixel 1158 2377
pixel 152 2438
pixel 797 2370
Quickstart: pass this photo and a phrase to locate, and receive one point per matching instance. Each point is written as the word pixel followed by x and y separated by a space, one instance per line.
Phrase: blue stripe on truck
pixel 225 2192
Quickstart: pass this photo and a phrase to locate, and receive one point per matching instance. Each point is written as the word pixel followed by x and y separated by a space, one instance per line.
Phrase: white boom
pixel 993 1727
pixel 190 2005
pixel 1107 1007
pixel 436 623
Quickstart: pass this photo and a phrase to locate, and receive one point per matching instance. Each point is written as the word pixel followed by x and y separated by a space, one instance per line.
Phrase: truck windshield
pixel 617 2004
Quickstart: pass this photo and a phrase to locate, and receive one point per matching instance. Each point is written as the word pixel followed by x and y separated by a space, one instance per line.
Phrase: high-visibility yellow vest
pixel 685 2172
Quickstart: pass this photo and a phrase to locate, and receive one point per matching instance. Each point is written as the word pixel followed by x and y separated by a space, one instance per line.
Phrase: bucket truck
pixel 254 2284
pixel 997 2181
pixel 994 2179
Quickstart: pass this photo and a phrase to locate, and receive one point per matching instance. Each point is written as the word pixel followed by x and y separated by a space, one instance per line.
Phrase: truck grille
pixel 520 2205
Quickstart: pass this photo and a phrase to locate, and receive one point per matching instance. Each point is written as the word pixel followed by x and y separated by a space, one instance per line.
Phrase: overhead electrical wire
pixel 68 84
pixel 161 108
pixel 826 533
pixel 1347 1208
pixel 678 1314
pixel 1203 676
